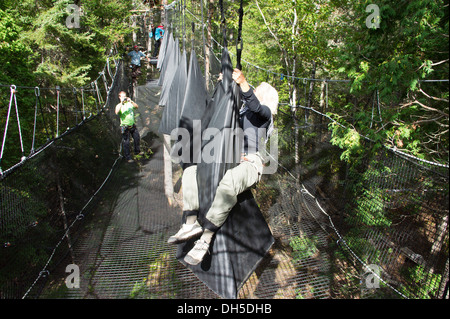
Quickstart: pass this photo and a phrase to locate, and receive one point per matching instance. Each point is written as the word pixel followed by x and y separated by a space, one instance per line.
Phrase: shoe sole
pixel 191 261
pixel 182 240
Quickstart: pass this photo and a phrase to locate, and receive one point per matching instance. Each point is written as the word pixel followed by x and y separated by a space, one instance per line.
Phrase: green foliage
pixel 369 198
pixel 40 43
pixel 370 210
pixel 303 247
pixel 347 139
pixel 285 36
pixel 387 100
pixel 15 55
pixel 411 45
pixel 38 48
pixel 74 56
pixel 425 284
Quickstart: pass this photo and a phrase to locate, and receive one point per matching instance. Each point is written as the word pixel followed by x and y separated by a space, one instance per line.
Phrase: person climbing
pixel 135 56
pixel 257 113
pixel 158 33
pixel 125 110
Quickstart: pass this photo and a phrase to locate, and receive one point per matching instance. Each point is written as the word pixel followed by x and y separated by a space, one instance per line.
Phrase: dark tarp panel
pixel 175 98
pixel 171 62
pixel 162 58
pixel 167 62
pixel 214 63
pixel 163 49
pixel 193 109
pixel 215 68
pixel 244 239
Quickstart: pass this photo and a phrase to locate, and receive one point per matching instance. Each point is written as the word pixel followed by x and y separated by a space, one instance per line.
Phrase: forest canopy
pixel 39 47
pixel 391 52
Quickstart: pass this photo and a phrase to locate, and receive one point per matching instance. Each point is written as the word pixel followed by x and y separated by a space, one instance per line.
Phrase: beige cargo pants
pixel 235 181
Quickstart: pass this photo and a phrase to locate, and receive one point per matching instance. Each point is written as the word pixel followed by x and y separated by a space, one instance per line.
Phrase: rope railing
pixel 393 149
pixel 92 87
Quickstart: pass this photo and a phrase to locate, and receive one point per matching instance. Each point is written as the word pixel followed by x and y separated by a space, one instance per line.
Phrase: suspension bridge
pixel 379 232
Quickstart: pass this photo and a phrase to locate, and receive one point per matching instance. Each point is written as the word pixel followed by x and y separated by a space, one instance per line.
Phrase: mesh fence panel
pixel 383 225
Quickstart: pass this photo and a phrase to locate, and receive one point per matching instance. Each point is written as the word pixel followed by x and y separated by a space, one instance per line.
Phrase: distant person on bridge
pixel 136 56
pixel 256 119
pixel 125 110
pixel 158 33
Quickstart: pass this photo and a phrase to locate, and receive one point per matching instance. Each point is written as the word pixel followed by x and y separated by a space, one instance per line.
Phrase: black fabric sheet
pixel 192 111
pixel 175 97
pixel 214 63
pixel 163 49
pixel 241 243
pixel 171 63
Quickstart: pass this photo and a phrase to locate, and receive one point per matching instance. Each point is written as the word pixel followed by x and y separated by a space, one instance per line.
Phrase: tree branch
pixel 427 120
pixel 440 62
pixel 423 106
pixel 432 97
pixel 273 35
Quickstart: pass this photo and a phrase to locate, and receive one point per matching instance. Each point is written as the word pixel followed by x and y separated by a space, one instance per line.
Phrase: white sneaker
pixel 186 232
pixel 196 254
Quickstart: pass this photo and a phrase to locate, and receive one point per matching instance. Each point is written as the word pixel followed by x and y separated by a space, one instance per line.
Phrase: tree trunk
pixel 311 84
pixel 208 47
pixel 168 184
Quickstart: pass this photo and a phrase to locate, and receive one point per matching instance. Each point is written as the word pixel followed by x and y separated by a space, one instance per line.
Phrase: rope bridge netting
pixel 378 229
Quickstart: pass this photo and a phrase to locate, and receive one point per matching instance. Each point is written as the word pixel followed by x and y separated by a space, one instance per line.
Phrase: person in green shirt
pixel 125 110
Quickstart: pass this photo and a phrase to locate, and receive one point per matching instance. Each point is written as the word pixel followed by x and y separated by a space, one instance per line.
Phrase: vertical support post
pixel 58 89
pixel 82 103
pixel 168 184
